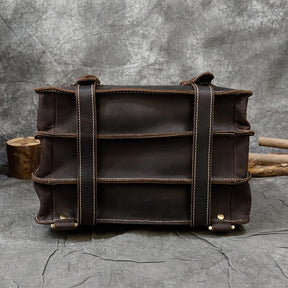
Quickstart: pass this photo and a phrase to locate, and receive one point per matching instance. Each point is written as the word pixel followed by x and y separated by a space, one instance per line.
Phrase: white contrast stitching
pixel 209 157
pixel 79 153
pixel 239 221
pixel 196 110
pixel 232 179
pixel 93 149
pixel 140 178
pixel 143 220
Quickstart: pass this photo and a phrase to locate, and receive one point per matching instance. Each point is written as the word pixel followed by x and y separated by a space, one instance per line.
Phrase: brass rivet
pixel 62 216
pixel 220 216
pixel 232 227
pixel 210 228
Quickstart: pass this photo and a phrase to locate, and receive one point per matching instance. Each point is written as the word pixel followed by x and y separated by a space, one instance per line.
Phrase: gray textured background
pixel 244 43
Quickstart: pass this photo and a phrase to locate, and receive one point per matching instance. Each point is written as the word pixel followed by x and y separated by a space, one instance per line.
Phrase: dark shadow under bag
pixel 169 155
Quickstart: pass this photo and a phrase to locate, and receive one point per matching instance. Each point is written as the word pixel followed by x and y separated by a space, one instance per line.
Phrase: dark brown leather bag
pixel 143 155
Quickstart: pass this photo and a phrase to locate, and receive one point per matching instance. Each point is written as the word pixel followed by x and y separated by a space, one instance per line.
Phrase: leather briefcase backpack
pixel 169 155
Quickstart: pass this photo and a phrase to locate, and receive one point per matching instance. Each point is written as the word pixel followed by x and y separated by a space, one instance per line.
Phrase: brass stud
pixel 75 224
pixel 232 227
pixel 210 228
pixel 220 216
pixel 63 216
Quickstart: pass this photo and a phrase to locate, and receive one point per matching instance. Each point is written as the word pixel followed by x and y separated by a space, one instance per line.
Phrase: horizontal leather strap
pixel 223 181
pixel 231 133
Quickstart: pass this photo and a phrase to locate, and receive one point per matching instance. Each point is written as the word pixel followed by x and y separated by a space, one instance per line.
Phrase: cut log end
pixel 23 156
pixel 23 141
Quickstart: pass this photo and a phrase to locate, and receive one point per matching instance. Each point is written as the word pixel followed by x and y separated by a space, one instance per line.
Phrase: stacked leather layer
pixel 144 154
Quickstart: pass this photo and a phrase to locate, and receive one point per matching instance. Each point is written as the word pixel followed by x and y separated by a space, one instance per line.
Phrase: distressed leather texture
pixel 143 155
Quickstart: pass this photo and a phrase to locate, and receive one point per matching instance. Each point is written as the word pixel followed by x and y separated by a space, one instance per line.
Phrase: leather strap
pixel 64 224
pixel 86 151
pixel 202 154
pixel 222 227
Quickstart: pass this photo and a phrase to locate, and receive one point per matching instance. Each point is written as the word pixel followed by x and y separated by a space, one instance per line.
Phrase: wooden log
pixel 273 142
pixel 268 165
pixel 267 171
pixel 23 156
pixel 270 158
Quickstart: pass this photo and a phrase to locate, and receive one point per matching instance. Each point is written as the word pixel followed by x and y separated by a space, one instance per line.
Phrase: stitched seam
pixel 52 168
pixel 143 220
pixel 123 220
pixel 139 178
pixel 212 147
pixel 217 93
pixel 228 221
pixel 120 92
pixel 209 157
pixel 53 201
pixel 117 136
pixel 64 220
pixel 173 221
pixel 196 111
pixel 145 92
pixel 36 173
pixel 43 221
pixel 148 178
pixel 93 150
pixel 96 151
pixel 79 153
pixel 230 202
pixel 232 178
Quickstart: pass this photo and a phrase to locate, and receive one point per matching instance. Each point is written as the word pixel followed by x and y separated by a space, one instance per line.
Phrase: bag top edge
pixel 173 89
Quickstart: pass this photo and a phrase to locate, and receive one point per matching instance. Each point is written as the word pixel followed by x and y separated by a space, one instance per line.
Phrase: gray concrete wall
pixel 244 43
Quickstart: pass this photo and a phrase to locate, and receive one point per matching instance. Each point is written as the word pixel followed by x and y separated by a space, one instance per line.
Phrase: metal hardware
pixel 220 216
pixel 219 229
pixel 75 224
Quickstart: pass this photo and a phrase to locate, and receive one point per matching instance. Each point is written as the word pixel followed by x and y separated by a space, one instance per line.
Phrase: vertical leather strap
pixel 86 151
pixel 202 154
